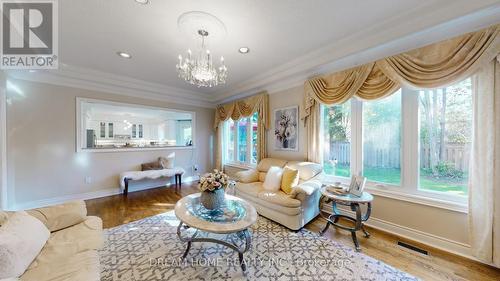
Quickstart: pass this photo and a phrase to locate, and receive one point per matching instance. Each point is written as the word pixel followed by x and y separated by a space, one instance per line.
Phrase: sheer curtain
pixel 484 178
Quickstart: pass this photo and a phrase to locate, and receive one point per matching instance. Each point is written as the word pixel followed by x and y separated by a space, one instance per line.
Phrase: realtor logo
pixel 29 34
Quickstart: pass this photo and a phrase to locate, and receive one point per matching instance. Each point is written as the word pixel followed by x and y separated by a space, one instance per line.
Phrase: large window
pixel 445 138
pixel 131 126
pixel 382 140
pixel 337 142
pixel 414 141
pixel 240 141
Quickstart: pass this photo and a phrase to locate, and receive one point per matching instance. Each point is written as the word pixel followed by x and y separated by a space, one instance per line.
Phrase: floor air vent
pixel 413 248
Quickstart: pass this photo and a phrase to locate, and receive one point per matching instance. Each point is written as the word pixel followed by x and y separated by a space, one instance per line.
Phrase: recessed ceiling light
pixel 124 55
pixel 244 50
pixel 142 2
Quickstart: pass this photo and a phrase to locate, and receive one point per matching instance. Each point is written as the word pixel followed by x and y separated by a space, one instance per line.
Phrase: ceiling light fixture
pixel 200 70
pixel 244 50
pixel 124 55
pixel 142 2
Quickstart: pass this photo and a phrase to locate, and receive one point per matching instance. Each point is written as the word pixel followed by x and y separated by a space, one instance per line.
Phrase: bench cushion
pixel 151 174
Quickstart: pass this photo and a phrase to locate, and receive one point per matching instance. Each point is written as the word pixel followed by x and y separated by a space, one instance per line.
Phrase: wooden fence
pixel 455 153
pixel 373 157
pixel 458 154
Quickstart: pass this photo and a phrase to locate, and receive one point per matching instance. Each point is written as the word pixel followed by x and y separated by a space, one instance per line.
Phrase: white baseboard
pixel 81 196
pixel 66 198
pixel 432 240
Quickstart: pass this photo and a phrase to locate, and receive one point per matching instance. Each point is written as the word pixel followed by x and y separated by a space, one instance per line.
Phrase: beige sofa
pixel 71 251
pixel 294 210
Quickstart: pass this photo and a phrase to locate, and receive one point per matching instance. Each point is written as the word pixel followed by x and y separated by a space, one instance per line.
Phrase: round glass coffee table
pixel 233 218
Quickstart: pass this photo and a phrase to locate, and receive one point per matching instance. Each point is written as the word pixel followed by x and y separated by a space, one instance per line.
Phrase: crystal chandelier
pixel 200 70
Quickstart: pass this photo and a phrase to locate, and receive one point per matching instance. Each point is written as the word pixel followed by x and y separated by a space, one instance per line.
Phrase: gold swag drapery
pixel 239 109
pixel 432 66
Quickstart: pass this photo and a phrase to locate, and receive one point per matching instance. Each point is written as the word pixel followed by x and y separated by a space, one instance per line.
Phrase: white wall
pixel 435 224
pixel 41 152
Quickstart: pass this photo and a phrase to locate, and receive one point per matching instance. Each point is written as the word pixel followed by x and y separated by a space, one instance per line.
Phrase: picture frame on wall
pixel 286 128
pixel 357 185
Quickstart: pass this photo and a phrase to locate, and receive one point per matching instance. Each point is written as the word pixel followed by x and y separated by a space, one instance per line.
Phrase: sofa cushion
pixel 273 179
pixel 247 176
pixel 251 189
pixel 275 208
pixel 67 242
pixel 255 190
pixel 82 266
pixel 61 216
pixel 279 198
pixel 267 163
pixel 289 179
pixel 307 170
pixel 21 239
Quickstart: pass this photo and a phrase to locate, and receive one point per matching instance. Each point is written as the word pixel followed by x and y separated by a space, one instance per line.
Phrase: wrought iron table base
pixel 244 235
pixel 358 220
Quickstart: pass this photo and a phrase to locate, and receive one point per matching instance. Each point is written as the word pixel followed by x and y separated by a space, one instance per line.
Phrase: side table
pixel 354 203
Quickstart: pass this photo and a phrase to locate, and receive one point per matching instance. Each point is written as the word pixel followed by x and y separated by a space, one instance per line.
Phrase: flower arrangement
pixel 213 181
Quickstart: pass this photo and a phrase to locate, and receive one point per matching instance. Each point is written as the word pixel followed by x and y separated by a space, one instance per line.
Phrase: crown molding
pixel 373 43
pixel 343 55
pixel 84 78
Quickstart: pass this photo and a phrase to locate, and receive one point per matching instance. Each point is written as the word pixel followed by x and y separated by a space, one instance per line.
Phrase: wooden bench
pixel 126 177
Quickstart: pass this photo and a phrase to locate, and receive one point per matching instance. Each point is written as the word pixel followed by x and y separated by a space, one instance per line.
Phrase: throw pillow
pixel 273 179
pixel 21 239
pixel 289 180
pixel 151 166
pixel 167 162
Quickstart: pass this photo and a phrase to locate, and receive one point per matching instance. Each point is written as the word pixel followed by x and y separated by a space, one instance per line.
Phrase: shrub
pixel 448 170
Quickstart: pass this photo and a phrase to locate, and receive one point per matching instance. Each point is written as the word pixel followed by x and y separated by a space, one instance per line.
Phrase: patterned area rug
pixel 150 250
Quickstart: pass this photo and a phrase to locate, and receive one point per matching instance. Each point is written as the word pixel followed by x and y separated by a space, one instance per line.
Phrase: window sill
pixel 97 150
pixel 241 165
pixel 460 207
pixel 419 199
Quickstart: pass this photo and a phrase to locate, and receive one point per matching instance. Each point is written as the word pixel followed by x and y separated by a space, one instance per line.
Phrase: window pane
pixel 445 138
pixel 382 139
pixel 254 118
pixel 110 130
pixel 242 140
pixel 141 132
pixel 231 131
pixel 102 133
pixel 337 139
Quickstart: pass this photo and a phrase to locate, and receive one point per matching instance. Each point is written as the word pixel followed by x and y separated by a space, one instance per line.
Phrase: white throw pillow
pixel 273 179
pixel 167 162
pixel 21 239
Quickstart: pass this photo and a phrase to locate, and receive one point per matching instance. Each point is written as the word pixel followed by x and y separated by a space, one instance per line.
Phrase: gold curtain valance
pixel 244 108
pixel 432 66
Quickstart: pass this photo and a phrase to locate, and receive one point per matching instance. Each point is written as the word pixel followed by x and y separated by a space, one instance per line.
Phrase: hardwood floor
pixel 439 265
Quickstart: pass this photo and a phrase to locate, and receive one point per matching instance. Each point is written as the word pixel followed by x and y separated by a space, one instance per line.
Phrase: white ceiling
pixel 279 33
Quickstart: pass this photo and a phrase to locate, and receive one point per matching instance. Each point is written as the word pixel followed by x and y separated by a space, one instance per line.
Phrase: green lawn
pixel 393 176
